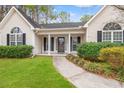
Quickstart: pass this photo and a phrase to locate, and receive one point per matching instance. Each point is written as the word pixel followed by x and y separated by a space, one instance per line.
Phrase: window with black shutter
pixel 16 37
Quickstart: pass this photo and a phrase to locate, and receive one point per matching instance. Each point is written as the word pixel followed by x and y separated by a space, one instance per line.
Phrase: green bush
pixel 114 55
pixel 15 51
pixel 90 50
pixel 120 74
pixel 76 60
pixel 92 67
pixel 102 68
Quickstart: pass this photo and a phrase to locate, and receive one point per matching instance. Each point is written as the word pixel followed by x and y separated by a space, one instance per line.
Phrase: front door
pixel 61 44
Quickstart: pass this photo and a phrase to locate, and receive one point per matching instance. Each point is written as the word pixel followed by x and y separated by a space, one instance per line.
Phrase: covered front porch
pixel 60 42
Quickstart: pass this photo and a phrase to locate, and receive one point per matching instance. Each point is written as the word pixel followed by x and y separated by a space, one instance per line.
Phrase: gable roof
pixel 21 14
pixel 86 25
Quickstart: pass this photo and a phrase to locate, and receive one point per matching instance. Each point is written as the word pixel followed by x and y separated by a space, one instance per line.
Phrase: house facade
pixel 18 29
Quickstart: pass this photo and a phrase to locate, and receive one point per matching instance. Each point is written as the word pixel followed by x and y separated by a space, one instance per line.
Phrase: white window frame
pixel 112 38
pixel 16 36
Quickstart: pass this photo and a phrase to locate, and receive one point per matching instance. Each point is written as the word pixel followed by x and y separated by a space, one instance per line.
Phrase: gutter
pixel 51 29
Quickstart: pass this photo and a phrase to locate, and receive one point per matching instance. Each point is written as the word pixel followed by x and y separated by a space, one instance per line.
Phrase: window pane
pixel 117 35
pixel 12 43
pixel 12 38
pixel 74 43
pixel 117 41
pixel 106 36
pixel 19 43
pixel 19 37
pixel 16 30
pixel 112 26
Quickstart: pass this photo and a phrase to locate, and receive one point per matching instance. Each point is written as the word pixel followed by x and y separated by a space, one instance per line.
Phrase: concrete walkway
pixel 81 78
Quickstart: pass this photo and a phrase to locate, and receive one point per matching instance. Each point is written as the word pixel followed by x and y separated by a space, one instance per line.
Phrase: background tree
pixel 64 17
pixel 39 13
pixel 31 11
pixel 48 14
pixel 85 18
pixel 1 12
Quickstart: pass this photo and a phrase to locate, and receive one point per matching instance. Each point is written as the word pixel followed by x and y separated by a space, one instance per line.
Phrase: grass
pixel 37 72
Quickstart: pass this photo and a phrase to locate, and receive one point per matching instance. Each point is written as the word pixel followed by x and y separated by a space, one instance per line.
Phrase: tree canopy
pixel 85 18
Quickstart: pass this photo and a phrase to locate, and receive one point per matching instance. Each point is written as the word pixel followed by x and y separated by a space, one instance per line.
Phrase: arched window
pixel 16 30
pixel 112 26
pixel 16 36
pixel 112 32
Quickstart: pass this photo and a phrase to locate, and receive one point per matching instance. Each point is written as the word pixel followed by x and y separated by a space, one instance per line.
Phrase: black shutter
pixel 44 43
pixel 78 40
pixel 71 43
pixel 99 36
pixel 123 36
pixel 7 39
pixel 24 38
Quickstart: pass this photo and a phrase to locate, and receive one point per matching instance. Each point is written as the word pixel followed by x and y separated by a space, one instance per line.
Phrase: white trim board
pixel 86 25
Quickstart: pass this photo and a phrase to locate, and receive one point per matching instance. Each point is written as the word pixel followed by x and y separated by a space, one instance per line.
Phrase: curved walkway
pixel 81 78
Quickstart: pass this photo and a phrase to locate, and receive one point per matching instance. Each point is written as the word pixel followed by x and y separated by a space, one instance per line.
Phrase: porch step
pixel 59 55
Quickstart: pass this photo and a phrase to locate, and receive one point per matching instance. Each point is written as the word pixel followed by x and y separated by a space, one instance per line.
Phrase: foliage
pixel 92 67
pixel 15 51
pixel 86 18
pixel 101 68
pixel 48 13
pixel 120 73
pixel 36 72
pixel 114 55
pixel 42 14
pixel 75 60
pixel 64 17
pixel 90 50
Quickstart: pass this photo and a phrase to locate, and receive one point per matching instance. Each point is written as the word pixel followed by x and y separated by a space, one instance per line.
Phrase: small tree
pixel 85 18
pixel 64 17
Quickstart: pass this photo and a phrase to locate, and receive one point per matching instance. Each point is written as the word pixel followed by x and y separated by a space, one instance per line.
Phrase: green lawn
pixel 37 72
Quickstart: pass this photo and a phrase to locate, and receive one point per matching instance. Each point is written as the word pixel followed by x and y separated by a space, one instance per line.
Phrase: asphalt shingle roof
pixel 63 25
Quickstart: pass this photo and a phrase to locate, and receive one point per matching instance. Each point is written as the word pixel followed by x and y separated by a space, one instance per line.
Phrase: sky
pixel 76 11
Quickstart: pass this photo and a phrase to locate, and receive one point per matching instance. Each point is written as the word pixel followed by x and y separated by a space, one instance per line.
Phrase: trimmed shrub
pixel 15 51
pixel 114 55
pixel 90 50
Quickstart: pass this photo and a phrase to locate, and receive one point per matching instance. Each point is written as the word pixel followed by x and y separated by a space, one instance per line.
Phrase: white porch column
pixel 49 44
pixel 69 43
